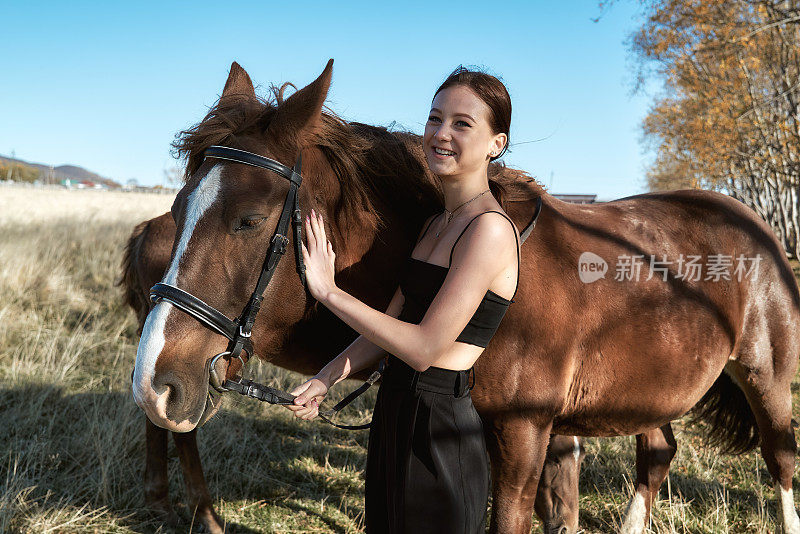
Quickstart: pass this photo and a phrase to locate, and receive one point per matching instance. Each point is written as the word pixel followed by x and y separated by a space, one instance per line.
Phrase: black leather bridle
pixel 239 330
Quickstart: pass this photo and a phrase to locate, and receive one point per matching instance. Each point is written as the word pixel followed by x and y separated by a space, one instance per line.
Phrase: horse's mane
pixel 365 158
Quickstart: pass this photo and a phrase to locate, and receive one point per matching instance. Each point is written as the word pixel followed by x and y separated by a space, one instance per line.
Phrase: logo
pixel 591 267
pixel 686 268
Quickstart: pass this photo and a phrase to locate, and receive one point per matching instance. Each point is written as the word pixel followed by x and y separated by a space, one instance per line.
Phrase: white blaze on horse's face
pixel 152 341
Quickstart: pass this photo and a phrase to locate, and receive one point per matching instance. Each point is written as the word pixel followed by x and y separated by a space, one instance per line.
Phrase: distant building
pixel 88 184
pixel 577 199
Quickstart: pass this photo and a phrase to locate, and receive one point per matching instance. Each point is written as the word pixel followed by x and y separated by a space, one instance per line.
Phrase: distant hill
pixel 62 172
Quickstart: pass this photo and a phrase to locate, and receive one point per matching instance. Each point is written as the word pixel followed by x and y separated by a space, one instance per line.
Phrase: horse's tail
pixel 129 277
pixel 732 425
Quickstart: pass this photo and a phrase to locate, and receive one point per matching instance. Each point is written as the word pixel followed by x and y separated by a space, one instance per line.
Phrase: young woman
pixel 427 466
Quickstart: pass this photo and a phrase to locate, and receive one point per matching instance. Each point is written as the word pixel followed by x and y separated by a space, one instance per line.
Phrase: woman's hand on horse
pixel 309 396
pixel 318 258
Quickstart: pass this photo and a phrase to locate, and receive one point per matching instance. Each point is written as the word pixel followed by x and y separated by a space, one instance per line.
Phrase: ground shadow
pixel 87 449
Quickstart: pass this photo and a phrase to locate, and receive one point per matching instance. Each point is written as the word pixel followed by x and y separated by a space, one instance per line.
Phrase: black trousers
pixel 427 465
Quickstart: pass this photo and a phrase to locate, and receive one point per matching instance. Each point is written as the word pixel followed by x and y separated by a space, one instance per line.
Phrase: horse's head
pixel 226 215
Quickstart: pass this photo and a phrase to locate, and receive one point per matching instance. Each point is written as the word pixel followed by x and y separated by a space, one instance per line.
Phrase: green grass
pixel 72 440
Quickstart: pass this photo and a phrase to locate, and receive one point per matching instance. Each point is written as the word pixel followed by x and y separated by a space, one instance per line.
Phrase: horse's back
pixel 613 335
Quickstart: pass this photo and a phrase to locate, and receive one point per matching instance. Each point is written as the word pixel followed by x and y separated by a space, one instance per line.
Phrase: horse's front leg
pixel 196 490
pixel 517 449
pixel 156 483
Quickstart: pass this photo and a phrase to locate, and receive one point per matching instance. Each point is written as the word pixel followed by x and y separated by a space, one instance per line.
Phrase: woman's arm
pixel 486 249
pixel 360 354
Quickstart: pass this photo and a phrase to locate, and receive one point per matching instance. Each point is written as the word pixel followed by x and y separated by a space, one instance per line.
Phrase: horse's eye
pixel 248 223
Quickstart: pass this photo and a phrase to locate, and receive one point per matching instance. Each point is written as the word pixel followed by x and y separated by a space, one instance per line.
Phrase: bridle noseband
pixel 239 330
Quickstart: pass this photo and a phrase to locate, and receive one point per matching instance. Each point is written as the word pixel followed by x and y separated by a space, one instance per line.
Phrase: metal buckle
pixel 242 333
pixel 282 241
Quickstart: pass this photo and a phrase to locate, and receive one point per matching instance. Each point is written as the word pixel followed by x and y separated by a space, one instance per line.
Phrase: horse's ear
pixel 298 116
pixel 239 83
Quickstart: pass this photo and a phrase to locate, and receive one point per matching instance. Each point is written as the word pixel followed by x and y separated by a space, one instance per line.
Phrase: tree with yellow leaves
pixel 727 118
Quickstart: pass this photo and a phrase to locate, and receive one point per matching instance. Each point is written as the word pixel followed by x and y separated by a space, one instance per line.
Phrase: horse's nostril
pixel 177 398
pixel 169 385
pixel 174 395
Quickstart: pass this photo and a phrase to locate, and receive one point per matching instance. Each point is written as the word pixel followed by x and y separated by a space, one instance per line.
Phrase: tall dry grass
pixel 72 440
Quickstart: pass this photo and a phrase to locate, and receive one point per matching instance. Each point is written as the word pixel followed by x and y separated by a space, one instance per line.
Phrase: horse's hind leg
pixel 196 489
pixel 766 383
pixel 156 483
pixel 655 450
pixel 557 496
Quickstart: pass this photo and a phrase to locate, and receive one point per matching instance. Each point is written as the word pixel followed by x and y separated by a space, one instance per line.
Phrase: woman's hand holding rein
pixel 309 396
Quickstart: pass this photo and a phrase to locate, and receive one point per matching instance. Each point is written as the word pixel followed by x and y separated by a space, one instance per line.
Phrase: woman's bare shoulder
pixel 490 230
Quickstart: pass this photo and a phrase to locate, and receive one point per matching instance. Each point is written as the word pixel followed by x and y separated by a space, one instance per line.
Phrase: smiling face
pixel 458 136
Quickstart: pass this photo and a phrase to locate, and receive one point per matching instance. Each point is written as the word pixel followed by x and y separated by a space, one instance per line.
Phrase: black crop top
pixel 422 280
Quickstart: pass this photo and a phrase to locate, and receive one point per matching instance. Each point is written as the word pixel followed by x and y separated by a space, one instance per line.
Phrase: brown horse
pixel 581 353
pixel 146 259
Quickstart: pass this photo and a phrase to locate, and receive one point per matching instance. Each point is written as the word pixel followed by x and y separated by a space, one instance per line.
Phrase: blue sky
pixel 107 85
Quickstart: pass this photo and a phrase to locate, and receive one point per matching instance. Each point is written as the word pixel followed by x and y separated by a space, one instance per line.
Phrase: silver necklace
pixel 451 213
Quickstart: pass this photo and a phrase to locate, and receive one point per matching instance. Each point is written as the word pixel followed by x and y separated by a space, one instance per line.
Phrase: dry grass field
pixel 72 441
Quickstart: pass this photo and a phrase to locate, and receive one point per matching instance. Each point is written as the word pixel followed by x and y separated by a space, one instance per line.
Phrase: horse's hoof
pixel 208 522
pixel 164 514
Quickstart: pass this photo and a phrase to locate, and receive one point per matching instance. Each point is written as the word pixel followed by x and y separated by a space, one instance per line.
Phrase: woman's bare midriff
pixel 460 357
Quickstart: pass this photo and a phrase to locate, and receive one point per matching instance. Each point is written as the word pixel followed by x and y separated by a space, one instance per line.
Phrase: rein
pixel 239 330
pixel 271 395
